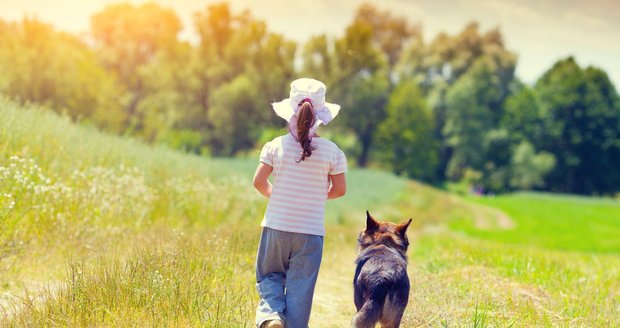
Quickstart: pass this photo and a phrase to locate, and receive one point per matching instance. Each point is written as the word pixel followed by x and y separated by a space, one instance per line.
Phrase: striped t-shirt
pixel 297 202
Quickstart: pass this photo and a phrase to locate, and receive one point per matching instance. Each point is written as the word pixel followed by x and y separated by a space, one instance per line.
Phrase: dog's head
pixel 389 234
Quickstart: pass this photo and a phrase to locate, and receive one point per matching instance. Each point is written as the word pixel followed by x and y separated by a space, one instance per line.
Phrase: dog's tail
pixel 370 313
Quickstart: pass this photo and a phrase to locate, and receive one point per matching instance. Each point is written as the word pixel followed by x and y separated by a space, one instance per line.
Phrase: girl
pixel 307 171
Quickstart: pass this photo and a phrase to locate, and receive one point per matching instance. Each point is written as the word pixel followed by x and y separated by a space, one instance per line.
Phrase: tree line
pixel 446 110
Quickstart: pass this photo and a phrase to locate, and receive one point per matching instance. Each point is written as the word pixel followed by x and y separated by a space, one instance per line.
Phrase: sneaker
pixel 272 324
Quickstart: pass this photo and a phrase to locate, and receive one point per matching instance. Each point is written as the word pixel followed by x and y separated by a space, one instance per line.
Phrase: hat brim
pixel 325 114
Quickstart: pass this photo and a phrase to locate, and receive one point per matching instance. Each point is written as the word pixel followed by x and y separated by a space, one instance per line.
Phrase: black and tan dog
pixel 381 284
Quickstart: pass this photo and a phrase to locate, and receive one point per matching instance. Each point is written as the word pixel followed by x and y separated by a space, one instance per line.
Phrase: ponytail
pixel 304 122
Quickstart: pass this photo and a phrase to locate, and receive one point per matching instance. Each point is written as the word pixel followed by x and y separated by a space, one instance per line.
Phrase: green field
pixel 550 221
pixel 97 230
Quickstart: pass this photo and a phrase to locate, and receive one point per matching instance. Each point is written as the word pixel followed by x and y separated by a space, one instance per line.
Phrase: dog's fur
pixel 381 284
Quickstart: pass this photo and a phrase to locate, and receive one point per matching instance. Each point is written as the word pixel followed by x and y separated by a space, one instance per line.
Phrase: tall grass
pixel 526 284
pixel 56 174
pixel 69 193
pixel 178 281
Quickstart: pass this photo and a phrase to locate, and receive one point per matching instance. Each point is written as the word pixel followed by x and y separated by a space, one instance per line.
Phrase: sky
pixel 539 31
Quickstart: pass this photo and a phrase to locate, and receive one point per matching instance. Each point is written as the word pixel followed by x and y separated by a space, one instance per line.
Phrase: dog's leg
pixel 368 315
pixel 394 308
pixel 394 323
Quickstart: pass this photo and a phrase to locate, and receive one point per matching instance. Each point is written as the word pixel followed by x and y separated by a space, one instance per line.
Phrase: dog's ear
pixel 371 223
pixel 401 229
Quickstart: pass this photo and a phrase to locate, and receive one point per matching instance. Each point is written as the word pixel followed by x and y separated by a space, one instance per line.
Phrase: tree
pixel 364 101
pixel 473 109
pixel 129 37
pixel 318 59
pixel 273 68
pixel 528 169
pixel 511 154
pixel 440 64
pixel 232 45
pixel 581 128
pixel 522 116
pixel 405 137
pixel 389 33
pixel 237 116
pixel 57 70
pixel 361 85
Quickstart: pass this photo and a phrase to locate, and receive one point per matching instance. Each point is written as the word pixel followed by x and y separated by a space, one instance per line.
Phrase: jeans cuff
pixel 273 316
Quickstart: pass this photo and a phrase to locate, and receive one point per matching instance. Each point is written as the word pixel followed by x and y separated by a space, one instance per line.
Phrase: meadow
pixel 100 230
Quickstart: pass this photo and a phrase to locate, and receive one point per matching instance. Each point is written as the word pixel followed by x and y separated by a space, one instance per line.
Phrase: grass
pixel 99 230
pixel 586 224
pixel 177 280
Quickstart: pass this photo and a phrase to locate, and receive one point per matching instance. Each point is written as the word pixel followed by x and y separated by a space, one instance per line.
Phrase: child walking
pixel 307 170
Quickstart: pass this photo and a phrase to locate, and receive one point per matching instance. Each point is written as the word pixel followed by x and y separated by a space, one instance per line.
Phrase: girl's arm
pixel 261 182
pixel 338 186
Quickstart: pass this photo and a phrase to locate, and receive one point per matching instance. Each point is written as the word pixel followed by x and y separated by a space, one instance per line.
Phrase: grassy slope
pixel 556 222
pixel 178 246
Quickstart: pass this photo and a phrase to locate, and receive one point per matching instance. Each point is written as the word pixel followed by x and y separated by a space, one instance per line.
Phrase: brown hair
pixel 304 122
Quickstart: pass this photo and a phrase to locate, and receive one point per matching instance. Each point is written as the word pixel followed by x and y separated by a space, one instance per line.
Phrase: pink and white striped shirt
pixel 297 202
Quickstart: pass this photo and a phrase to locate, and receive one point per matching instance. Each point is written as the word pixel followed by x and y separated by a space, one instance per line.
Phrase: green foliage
pixel 127 39
pixel 389 33
pixel 581 120
pixel 406 135
pixel 234 44
pixel 55 69
pixel 166 107
pixel 472 111
pixel 318 60
pixel 236 116
pixel 363 99
pixel 237 51
pixel 529 168
pixel 447 58
pixel 522 116
pixel 440 67
pixel 360 83
pixel 187 140
pixel 355 52
pixel 129 36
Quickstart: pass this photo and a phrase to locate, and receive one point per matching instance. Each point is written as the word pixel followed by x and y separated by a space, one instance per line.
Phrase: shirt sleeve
pixel 340 164
pixel 266 154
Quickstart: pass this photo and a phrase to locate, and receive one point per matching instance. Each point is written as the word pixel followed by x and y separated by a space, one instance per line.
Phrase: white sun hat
pixel 306 88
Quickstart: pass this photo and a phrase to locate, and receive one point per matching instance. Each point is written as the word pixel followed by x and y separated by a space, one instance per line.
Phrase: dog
pixel 381 283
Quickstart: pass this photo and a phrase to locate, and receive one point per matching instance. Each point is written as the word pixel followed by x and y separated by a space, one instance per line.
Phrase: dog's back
pixel 381 284
pixel 381 287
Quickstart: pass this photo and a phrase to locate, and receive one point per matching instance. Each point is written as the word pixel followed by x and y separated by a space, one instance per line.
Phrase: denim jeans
pixel 287 266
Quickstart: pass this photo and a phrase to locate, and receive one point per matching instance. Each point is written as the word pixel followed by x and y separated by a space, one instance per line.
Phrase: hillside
pixel 98 230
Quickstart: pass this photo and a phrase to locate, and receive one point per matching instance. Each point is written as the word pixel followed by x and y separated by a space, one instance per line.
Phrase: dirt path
pixel 333 297
pixel 489 218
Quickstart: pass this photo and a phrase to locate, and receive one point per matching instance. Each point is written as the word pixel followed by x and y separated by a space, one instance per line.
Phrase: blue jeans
pixel 287 266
